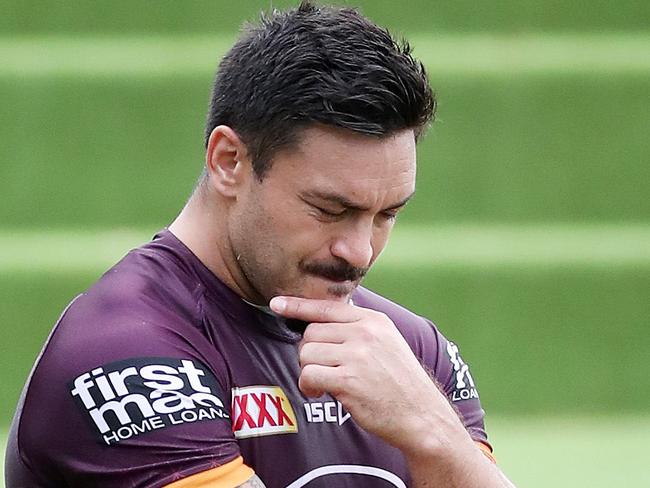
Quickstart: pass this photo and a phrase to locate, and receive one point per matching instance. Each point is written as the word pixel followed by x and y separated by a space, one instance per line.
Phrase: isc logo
pixel 330 412
pixel 261 410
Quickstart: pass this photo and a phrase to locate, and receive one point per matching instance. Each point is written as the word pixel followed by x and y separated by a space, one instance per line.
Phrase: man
pixel 237 348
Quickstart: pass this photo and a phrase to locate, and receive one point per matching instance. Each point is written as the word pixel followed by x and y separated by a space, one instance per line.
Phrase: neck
pixel 202 227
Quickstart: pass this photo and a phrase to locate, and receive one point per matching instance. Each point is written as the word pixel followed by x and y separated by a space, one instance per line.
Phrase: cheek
pixel 282 232
pixel 299 226
pixel 249 229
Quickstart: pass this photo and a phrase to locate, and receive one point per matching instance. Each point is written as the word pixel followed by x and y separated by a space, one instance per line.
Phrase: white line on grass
pixel 554 245
pixel 66 250
pixel 467 54
pixel 410 246
pixel 477 54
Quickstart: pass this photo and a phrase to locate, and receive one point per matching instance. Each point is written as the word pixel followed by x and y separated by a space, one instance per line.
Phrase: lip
pixel 332 280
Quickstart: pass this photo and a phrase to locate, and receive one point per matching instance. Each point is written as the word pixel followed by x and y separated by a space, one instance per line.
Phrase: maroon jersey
pixel 160 371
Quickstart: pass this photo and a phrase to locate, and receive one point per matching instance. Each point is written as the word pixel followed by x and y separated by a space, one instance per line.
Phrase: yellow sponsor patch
pixel 261 410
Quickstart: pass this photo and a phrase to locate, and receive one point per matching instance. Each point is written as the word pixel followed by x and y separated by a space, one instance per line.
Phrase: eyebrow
pixel 345 202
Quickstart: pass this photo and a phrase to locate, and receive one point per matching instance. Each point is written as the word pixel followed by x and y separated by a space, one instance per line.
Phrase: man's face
pixel 322 214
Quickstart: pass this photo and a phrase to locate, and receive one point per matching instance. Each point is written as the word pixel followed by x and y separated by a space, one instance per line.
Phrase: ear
pixel 226 161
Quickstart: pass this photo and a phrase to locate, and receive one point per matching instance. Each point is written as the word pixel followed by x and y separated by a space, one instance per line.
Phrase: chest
pixel 291 440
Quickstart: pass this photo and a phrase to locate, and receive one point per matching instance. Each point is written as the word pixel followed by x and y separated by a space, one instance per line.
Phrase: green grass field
pixel 594 452
pixel 531 128
pixel 171 17
pixel 543 452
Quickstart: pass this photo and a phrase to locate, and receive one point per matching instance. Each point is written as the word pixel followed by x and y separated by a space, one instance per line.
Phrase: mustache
pixel 336 271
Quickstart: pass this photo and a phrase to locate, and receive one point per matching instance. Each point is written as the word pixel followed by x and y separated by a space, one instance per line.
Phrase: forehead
pixel 365 168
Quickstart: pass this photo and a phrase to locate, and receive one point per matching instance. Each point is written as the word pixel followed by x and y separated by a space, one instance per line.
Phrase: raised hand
pixel 360 357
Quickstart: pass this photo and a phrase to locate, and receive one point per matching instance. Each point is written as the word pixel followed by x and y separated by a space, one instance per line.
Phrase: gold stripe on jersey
pixel 230 475
pixel 485 449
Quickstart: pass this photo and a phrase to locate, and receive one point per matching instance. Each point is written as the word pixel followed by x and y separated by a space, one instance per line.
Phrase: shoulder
pixel 146 306
pixel 150 293
pixel 147 280
pixel 126 364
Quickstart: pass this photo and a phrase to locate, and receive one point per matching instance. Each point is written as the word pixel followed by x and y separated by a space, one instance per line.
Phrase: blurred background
pixel 528 242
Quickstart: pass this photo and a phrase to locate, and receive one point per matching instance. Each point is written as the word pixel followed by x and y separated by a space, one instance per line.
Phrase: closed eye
pixel 329 213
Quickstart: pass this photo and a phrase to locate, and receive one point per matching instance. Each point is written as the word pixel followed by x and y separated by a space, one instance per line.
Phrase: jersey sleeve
pixel 443 360
pixel 139 401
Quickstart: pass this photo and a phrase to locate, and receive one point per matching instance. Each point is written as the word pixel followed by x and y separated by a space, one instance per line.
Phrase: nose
pixel 355 245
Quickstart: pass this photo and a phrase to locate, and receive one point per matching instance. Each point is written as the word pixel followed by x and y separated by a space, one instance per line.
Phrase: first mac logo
pixel 128 398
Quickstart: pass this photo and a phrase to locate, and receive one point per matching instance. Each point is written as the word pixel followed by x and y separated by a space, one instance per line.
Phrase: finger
pixel 311 310
pixel 316 379
pixel 325 354
pixel 335 333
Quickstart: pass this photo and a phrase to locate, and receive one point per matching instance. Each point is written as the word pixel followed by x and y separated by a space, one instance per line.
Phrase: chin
pixel 331 293
pixel 340 293
pixel 321 289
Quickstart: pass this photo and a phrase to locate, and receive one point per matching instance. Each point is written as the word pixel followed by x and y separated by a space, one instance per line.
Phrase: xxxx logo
pixel 261 410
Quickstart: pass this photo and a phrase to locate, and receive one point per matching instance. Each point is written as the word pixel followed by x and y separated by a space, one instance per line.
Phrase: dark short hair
pixel 317 65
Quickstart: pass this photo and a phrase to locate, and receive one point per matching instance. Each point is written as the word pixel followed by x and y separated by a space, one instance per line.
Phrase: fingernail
pixel 278 304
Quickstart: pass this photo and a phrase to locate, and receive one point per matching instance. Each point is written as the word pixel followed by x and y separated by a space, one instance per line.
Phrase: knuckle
pixel 325 310
pixel 347 379
pixel 366 332
pixel 360 353
pixel 305 353
pixel 381 317
pixel 309 373
pixel 311 333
